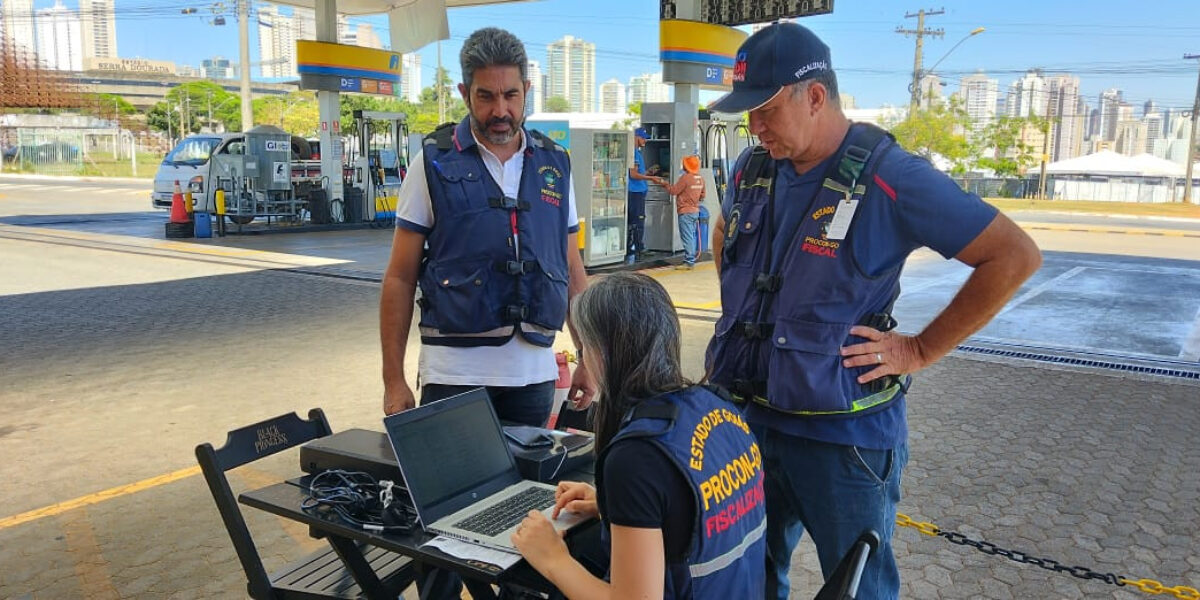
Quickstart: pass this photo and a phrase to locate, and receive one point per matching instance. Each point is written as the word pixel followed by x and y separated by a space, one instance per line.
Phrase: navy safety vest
pixel 706 438
pixel 784 319
pixel 494 265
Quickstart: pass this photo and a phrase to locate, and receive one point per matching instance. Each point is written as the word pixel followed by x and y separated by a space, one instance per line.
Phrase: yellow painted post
pixel 219 199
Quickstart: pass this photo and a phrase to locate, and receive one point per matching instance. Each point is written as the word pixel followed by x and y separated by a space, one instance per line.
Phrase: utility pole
pixel 244 59
pixel 920 32
pixel 210 125
pixel 1191 147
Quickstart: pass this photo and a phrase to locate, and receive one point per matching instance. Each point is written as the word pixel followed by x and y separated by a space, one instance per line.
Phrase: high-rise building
pixel 648 87
pixel 979 98
pixel 1167 113
pixel 572 68
pixel 536 98
pixel 1110 103
pixel 365 36
pixel 931 92
pixel 217 67
pixel 1154 126
pixel 16 17
pixel 1149 108
pixel 60 46
pixel 277 35
pixel 612 97
pixel 276 43
pixel 1131 137
pixel 410 77
pixel 1066 122
pixel 99 28
pixel 1027 96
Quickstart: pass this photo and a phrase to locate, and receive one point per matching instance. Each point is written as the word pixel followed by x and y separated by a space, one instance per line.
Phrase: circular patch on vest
pixel 735 216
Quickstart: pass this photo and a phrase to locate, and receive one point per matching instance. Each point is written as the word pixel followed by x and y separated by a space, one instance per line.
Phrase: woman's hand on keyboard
pixel 575 497
pixel 540 544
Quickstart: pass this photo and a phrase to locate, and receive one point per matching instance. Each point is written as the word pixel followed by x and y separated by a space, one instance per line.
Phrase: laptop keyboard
pixel 499 517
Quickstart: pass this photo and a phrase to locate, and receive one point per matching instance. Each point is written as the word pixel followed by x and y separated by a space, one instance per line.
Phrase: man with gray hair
pixel 486 228
pixel 809 246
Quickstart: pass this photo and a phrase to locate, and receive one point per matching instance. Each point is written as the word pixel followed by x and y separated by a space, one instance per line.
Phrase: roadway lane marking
pixel 1042 287
pixel 91 568
pixel 98 497
pixel 1109 230
pixel 699 305
pixel 259 259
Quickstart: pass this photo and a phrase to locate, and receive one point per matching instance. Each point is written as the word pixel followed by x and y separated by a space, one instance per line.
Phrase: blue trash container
pixel 203 225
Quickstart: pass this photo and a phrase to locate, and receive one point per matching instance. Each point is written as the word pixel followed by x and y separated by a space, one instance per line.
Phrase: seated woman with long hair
pixel 679 483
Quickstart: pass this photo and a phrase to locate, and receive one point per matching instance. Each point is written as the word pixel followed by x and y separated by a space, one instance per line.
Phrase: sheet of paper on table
pixel 469 551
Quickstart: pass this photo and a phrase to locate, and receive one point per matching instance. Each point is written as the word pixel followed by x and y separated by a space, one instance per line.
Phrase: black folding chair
pixel 843 583
pixel 323 573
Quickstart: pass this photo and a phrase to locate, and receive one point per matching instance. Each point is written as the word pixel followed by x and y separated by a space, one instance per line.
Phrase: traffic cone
pixel 562 387
pixel 179 212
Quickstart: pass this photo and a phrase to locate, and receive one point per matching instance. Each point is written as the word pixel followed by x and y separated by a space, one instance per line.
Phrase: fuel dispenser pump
pixel 380 159
pixel 672 127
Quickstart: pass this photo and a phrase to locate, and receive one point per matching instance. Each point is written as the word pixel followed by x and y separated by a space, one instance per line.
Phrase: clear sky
pixel 1135 46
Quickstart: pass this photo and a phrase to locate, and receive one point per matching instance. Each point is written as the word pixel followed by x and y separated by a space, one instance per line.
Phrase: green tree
pixel 557 104
pixel 425 117
pixel 295 113
pixel 1006 139
pixel 108 106
pixel 941 130
pixel 186 109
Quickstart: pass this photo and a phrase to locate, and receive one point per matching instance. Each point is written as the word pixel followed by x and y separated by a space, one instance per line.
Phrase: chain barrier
pixel 1148 586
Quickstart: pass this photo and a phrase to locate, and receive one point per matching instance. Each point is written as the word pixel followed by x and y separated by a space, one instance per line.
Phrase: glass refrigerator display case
pixel 600 161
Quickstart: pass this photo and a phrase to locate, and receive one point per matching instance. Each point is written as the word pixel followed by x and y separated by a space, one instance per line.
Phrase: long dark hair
pixel 628 321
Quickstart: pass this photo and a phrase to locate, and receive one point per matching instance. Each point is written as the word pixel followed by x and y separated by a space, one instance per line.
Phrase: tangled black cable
pixel 360 500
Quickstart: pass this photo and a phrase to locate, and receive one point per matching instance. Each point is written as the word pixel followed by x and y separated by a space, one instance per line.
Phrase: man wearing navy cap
pixel 635 212
pixel 809 246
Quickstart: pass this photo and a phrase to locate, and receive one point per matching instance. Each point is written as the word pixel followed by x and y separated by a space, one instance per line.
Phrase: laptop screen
pixel 447 450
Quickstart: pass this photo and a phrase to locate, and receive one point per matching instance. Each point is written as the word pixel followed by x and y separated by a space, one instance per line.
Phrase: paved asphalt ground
pixel 122 351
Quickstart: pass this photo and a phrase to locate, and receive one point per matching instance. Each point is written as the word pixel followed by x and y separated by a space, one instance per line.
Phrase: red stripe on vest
pixel 887 189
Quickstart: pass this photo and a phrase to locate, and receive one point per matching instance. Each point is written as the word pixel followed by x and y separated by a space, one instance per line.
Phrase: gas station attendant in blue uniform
pixel 679 480
pixel 638 186
pixel 809 247
pixel 486 228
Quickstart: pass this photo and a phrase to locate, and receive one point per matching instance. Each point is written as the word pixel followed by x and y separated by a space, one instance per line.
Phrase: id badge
pixel 840 224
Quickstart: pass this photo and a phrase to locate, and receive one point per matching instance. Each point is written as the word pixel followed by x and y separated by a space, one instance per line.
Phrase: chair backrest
pixel 242 446
pixel 568 418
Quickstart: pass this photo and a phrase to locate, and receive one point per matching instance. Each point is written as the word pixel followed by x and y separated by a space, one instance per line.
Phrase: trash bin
pixel 702 230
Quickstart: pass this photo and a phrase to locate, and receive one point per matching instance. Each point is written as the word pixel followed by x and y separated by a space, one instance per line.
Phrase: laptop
pixel 461 475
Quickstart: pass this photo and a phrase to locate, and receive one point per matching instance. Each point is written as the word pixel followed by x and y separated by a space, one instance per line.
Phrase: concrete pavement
pixel 121 355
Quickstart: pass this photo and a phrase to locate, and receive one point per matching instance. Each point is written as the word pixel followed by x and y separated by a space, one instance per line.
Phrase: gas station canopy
pixel 411 23
pixel 374 7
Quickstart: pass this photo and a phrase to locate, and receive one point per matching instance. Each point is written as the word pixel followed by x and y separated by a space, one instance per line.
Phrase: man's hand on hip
pixel 889 352
pixel 398 398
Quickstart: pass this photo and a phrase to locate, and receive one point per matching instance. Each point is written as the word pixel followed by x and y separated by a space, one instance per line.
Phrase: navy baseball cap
pixel 776 56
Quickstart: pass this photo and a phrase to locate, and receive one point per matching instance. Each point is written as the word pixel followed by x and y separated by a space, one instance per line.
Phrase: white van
pixel 187 163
